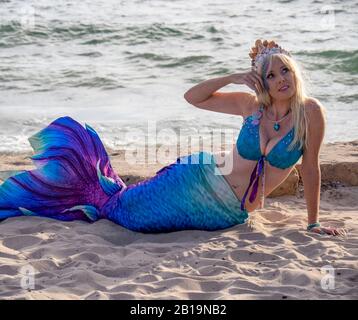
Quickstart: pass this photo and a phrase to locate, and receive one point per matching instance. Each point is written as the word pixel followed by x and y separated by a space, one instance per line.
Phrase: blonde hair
pixel 300 121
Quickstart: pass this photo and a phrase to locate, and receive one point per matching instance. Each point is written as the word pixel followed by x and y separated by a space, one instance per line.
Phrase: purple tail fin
pixel 73 178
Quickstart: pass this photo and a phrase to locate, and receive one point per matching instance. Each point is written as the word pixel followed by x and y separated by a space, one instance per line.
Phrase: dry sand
pixel 272 257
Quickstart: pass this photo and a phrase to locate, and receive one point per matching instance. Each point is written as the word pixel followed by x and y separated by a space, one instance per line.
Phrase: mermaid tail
pixel 187 194
pixel 73 178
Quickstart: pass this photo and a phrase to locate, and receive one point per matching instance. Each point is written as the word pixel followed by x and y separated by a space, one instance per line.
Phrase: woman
pixel 74 178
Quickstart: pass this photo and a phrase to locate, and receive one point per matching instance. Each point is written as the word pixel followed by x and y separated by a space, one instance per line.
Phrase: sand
pixel 271 257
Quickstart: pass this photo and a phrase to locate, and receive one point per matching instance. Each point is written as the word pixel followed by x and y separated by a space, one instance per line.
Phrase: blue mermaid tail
pixel 184 195
pixel 74 180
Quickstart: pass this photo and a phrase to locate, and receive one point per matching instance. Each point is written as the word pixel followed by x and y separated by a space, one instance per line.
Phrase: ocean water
pixel 124 66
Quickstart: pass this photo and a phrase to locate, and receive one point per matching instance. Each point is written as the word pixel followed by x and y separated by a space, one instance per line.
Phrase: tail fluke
pixel 73 178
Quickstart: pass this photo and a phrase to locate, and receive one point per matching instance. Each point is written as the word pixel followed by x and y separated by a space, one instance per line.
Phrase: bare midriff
pixel 237 171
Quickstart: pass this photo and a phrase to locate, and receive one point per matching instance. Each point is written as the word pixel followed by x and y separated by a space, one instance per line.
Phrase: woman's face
pixel 280 80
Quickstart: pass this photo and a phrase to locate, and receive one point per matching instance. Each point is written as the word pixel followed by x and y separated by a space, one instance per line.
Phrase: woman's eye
pixel 269 76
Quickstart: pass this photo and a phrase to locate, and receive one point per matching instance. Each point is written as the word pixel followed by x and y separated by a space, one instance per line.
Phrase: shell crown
pixel 264 49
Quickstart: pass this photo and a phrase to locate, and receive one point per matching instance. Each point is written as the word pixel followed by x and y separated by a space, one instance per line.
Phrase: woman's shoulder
pixel 314 108
pixel 312 103
pixel 252 106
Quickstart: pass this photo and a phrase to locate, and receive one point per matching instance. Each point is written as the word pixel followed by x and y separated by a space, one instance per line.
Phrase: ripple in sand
pixel 9 270
pixel 147 278
pixel 87 256
pixel 295 277
pixel 116 272
pixel 96 295
pixel 247 256
pixel 121 296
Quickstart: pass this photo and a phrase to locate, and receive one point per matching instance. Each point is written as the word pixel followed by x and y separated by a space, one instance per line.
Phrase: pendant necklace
pixel 276 125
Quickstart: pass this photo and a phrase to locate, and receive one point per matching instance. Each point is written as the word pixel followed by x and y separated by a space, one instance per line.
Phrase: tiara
pixel 264 49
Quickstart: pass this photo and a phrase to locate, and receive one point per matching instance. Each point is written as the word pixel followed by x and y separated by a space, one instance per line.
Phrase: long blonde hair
pixel 300 121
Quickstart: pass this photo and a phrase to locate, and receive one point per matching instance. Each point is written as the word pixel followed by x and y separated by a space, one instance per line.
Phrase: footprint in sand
pixel 19 242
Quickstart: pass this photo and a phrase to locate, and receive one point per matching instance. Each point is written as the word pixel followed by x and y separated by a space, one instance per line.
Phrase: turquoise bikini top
pixel 248 146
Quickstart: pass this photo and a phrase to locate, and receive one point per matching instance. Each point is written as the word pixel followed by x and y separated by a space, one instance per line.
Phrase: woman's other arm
pixel 310 169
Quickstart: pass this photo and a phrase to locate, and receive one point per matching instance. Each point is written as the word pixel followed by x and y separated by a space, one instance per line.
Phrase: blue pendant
pixel 276 126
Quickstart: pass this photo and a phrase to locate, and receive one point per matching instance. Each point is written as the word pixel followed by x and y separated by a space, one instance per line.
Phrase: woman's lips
pixel 284 88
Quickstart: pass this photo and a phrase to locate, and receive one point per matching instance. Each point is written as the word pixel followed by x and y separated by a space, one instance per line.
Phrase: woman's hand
pixel 329 230
pixel 251 78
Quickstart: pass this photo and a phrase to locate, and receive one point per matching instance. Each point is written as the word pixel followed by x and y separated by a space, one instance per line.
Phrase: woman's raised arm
pixel 205 96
